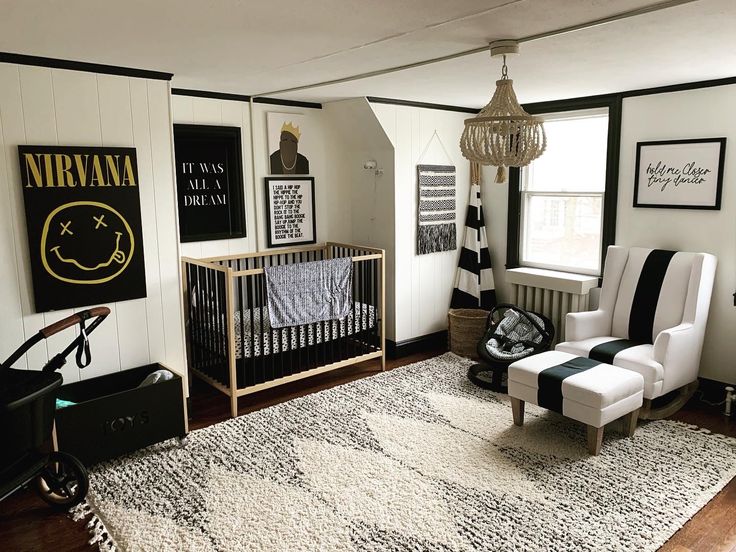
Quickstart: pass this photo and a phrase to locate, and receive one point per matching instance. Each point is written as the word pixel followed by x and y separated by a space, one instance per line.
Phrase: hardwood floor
pixel 27 524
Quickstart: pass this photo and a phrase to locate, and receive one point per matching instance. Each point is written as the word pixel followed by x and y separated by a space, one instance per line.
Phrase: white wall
pixel 495 198
pixel 54 106
pixel 368 199
pixel 708 112
pixel 703 113
pixel 423 282
pixel 331 195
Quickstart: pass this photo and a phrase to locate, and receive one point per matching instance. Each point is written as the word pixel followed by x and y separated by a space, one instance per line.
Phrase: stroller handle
pixel 98 313
pixel 74 319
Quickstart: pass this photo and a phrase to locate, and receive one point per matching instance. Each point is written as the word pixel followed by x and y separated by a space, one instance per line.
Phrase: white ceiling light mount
pixel 503 134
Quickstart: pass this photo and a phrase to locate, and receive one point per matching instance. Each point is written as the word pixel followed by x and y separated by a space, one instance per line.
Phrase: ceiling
pixel 256 47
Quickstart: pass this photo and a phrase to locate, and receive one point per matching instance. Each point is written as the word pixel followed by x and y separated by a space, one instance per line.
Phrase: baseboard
pixel 712 390
pixel 398 349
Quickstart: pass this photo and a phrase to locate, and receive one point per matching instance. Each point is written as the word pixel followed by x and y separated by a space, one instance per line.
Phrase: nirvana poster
pixel 84 225
pixel 209 182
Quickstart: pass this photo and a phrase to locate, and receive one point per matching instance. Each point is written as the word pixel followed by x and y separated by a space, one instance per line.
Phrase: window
pixel 562 205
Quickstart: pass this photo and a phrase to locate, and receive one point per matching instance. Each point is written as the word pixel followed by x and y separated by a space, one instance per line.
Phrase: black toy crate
pixel 114 416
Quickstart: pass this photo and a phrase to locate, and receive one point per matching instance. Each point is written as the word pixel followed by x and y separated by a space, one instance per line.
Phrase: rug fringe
pixel 99 535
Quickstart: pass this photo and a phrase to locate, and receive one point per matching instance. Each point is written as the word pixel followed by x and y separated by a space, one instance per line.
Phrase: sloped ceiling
pixel 252 47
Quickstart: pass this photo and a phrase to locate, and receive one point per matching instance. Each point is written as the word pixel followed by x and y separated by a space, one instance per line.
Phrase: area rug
pixel 412 459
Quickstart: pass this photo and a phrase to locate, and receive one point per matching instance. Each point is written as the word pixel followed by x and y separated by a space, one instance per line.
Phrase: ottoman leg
pixel 630 421
pixel 595 440
pixel 517 407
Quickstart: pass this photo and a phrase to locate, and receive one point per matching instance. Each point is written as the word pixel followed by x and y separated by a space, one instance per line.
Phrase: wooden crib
pixel 230 343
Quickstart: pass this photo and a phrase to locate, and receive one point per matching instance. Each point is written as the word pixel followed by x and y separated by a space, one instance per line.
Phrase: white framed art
pixel 290 210
pixel 679 174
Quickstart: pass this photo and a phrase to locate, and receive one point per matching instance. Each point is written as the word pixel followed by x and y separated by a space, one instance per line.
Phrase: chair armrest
pixel 677 342
pixel 584 325
pixel 678 350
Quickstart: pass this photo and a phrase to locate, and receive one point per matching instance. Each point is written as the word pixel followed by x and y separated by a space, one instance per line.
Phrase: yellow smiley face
pixel 86 242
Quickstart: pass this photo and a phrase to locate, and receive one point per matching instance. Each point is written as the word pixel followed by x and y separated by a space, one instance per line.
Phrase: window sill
pixel 565 282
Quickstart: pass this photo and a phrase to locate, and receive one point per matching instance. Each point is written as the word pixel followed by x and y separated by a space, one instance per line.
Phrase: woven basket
pixel 465 329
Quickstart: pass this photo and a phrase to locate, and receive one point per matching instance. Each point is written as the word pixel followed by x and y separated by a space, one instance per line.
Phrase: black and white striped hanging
pixel 474 286
pixel 436 229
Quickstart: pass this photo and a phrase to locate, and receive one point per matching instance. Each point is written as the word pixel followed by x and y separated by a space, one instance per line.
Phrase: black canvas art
pixel 84 225
pixel 209 182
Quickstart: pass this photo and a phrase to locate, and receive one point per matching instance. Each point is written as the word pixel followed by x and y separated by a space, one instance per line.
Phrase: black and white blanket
pixel 314 291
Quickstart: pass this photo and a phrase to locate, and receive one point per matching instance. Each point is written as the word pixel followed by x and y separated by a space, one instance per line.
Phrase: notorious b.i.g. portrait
pixel 287 159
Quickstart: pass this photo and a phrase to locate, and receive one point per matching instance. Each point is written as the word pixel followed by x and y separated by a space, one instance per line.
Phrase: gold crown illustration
pixel 291 129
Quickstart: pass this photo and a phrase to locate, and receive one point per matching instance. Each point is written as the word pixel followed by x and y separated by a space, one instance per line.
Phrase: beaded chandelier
pixel 503 134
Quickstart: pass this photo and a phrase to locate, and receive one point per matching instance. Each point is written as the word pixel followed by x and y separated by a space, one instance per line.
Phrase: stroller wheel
pixel 63 481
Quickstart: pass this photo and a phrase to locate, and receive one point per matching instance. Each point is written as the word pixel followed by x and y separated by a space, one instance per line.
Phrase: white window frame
pixel 526 196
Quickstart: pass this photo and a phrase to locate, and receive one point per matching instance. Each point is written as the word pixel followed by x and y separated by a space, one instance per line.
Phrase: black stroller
pixel 512 334
pixel 27 406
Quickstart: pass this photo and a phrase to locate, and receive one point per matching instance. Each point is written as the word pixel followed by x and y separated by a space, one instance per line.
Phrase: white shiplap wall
pixel 423 282
pixel 367 198
pixel 44 106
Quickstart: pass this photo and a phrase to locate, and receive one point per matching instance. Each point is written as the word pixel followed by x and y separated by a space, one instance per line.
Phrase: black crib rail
pixel 228 333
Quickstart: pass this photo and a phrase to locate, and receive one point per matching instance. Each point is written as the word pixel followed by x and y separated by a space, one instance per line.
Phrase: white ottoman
pixel 585 390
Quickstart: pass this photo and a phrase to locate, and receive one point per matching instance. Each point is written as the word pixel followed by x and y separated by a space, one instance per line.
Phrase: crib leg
pixel 234 405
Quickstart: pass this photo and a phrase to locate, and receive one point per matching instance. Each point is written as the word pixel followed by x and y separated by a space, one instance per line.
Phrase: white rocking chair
pixel 651 319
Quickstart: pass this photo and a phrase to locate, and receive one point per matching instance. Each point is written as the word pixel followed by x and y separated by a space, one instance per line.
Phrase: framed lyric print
pixel 679 174
pixel 290 210
pixel 209 182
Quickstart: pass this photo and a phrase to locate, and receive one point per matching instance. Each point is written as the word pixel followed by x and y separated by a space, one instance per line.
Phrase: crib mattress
pixel 266 340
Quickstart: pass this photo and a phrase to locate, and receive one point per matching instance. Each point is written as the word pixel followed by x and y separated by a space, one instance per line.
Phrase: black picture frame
pixel 716 206
pixel 271 218
pixel 209 182
pixel 83 219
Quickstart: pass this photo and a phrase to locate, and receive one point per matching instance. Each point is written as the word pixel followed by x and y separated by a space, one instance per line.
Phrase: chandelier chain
pixel 504 69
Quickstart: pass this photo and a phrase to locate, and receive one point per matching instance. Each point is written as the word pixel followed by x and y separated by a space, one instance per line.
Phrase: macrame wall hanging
pixel 436 228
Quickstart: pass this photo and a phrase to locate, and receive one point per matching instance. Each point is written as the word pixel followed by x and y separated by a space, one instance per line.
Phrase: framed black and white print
pixel 209 182
pixel 680 174
pixel 290 210
pixel 83 215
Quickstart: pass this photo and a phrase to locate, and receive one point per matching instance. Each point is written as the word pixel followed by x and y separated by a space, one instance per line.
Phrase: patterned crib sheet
pixel 266 340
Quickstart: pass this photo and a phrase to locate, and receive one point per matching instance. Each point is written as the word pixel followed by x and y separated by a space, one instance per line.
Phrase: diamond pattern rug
pixel 413 459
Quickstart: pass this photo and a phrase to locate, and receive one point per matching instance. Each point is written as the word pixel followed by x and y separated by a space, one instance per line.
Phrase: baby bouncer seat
pixel 512 334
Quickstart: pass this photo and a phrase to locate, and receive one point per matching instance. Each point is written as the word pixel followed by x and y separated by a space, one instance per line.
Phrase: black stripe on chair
pixel 605 352
pixel 549 381
pixel 646 296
